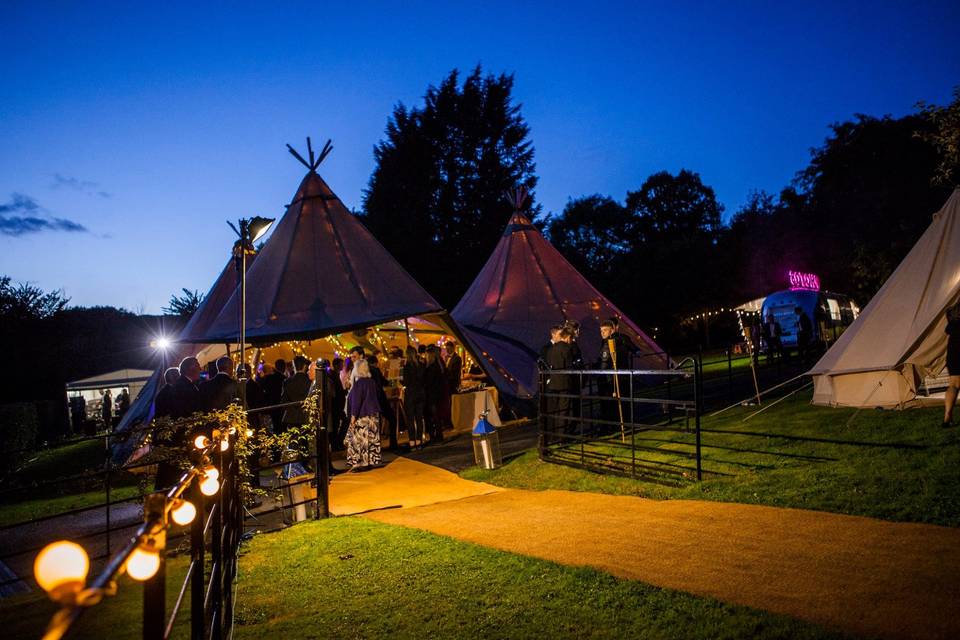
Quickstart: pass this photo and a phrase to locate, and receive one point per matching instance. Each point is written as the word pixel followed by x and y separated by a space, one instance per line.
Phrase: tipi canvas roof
pixel 319 273
pixel 526 287
pixel 899 337
pixel 223 288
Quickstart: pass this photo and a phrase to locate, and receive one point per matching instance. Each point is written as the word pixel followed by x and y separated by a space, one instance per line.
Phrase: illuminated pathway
pixel 853 574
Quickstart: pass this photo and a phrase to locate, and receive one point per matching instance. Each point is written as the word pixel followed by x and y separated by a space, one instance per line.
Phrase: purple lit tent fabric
pixel 525 288
pixel 321 272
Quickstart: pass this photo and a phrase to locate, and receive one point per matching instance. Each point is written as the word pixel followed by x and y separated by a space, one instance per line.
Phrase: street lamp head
pixel 258 226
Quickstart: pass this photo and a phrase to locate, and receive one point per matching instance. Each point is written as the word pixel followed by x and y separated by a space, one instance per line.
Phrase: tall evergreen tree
pixel 435 199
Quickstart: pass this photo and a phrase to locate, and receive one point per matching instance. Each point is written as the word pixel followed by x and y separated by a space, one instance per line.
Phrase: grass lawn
pixel 116 618
pixel 352 578
pixel 25 510
pixel 30 501
pixel 895 465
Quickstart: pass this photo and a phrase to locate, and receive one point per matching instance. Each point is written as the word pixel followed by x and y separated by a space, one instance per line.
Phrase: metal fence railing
pixel 213 491
pixel 601 420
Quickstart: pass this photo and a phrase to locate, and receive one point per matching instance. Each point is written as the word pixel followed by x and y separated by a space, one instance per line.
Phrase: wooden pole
pixel 616 386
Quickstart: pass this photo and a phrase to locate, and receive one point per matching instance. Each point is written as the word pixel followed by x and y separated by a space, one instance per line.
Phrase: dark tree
pixel 24 301
pixel 867 199
pixel 945 138
pixel 435 199
pixel 184 305
pixel 593 234
pixel 679 210
pixel 672 267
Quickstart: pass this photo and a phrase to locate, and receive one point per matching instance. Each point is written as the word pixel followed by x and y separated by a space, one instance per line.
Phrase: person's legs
pixel 950 399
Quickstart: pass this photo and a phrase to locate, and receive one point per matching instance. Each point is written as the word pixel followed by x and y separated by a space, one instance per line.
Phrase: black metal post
pixel 729 372
pixel 106 487
pixel 322 469
pixel 229 499
pixel 196 559
pixel 633 433
pixel 698 394
pixel 155 589
pixel 216 557
pixel 541 417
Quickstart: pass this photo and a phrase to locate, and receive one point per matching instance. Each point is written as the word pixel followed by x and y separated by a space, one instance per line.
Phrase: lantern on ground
pixel 486 444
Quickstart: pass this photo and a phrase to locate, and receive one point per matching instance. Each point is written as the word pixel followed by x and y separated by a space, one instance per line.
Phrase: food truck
pixel 830 313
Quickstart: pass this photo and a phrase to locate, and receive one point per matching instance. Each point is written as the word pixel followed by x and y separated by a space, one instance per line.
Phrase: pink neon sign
pixel 807 281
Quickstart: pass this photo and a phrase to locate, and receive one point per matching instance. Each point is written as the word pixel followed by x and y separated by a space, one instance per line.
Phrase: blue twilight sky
pixel 150 125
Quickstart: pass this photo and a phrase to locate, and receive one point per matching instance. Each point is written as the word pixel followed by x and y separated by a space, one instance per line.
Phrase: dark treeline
pixel 666 250
pixel 46 343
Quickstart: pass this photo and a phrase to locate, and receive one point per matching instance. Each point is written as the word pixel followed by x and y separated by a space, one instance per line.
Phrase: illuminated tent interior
pixel 526 287
pixel 898 340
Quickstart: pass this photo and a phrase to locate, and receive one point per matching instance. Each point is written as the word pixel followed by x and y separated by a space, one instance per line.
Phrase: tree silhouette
pixel 184 305
pixel 945 137
pixel 24 301
pixel 435 199
pixel 593 233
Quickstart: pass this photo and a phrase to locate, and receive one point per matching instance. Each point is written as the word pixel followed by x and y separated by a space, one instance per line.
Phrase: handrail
pixel 219 520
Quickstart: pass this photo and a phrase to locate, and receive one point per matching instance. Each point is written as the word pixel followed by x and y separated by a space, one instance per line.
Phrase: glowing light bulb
pixel 209 486
pixel 61 568
pixel 212 472
pixel 224 444
pixel 184 513
pixel 249 433
pixel 201 442
pixel 143 564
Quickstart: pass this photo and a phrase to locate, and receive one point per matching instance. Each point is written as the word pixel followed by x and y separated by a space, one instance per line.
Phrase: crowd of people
pixel 563 353
pixel 365 402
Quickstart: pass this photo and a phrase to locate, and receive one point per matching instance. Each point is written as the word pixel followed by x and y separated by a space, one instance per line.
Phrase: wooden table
pixel 465 408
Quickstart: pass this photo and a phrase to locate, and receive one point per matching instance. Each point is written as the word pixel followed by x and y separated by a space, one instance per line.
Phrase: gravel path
pixel 853 574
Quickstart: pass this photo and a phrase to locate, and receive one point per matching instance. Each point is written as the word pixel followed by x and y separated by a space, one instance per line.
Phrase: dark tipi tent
pixel 525 288
pixel 321 272
pixel 223 288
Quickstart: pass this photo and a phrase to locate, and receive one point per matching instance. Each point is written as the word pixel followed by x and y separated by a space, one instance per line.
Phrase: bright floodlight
pixel 163 343
pixel 258 227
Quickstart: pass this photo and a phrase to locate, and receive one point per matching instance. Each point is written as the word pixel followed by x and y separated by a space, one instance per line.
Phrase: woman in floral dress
pixel 363 408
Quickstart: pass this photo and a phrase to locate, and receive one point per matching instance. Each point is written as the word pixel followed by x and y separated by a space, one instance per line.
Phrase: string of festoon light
pixel 61 567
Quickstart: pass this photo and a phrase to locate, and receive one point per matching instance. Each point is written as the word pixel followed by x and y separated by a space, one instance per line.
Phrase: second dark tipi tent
pixel 526 287
pixel 321 272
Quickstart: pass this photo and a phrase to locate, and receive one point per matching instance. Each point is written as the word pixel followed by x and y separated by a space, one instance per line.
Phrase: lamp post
pixel 250 230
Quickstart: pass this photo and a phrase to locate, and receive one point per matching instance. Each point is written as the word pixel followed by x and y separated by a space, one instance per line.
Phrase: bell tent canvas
pixel 898 339
pixel 526 287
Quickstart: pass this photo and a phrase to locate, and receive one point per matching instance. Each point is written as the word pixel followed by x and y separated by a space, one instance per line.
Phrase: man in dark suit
pixel 182 400
pixel 221 391
pixel 295 389
pixel 554 338
pixel 616 353
pixel 338 427
pixel 454 366
pixel 186 395
pixel 560 356
pixel 163 403
pixel 272 386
